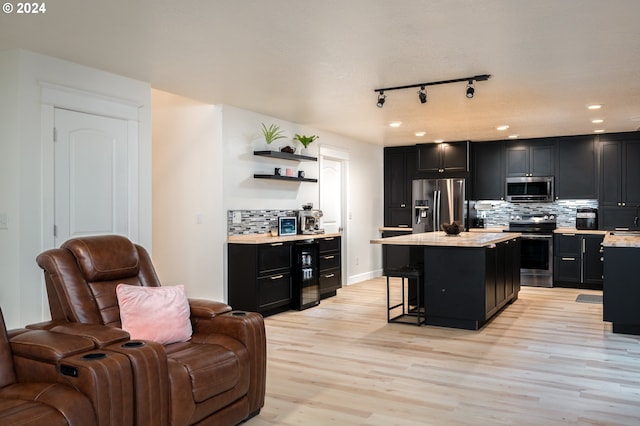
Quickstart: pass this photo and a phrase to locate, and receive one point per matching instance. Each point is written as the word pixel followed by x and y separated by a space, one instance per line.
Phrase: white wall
pixel 22 188
pixel 189 230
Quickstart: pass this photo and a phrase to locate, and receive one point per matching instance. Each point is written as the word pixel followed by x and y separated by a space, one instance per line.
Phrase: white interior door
pixel 91 175
pixel 331 194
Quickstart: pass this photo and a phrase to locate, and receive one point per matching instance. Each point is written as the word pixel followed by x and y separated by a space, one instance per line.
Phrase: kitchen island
pixel 468 278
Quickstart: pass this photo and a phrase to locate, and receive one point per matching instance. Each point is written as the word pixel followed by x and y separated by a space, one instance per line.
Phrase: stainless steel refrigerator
pixel 438 201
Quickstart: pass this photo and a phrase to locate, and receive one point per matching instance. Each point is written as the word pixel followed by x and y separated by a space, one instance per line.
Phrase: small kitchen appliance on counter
pixel 309 220
pixel 586 218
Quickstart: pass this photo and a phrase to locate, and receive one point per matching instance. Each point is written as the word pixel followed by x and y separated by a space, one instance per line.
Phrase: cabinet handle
pixel 602 259
pixel 277 277
pixel 403 205
pixel 330 275
pixel 569 258
pixel 276 244
pixel 329 239
pixel 584 246
pixel 328 257
pixel 569 235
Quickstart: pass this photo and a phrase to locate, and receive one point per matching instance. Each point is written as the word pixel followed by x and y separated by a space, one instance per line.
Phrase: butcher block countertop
pixel 268 239
pixel 440 239
pixel 621 240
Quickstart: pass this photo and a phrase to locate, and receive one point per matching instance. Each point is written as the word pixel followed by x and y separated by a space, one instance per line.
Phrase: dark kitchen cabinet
pixel 399 170
pixel 621 291
pixel 619 180
pixel 260 277
pixel 443 158
pixel 576 168
pixel 534 157
pixel 577 260
pixel 487 171
pixel 330 266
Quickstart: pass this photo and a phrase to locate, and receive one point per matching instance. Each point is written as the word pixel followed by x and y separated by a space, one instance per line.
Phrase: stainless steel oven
pixel 536 248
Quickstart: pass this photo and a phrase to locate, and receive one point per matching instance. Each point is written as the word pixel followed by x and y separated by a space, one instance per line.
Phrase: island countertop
pixel 464 239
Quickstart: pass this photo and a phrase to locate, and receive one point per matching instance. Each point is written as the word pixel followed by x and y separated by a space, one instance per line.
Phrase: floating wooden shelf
pixel 284 155
pixel 287 178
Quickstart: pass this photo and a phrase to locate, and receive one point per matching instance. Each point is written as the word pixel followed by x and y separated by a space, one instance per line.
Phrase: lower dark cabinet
pixel 621 291
pixel 260 277
pixel 577 260
pixel 330 266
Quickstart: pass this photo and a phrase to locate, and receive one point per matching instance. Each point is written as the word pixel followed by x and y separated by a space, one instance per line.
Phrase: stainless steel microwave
pixel 533 189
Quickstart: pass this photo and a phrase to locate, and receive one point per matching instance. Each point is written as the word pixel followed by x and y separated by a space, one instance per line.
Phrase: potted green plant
pixel 272 133
pixel 305 140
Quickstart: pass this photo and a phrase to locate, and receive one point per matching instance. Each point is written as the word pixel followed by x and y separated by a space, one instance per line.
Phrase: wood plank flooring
pixel 545 360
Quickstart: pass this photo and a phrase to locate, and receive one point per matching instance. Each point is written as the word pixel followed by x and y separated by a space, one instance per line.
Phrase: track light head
pixel 381 98
pixel 422 95
pixel 470 89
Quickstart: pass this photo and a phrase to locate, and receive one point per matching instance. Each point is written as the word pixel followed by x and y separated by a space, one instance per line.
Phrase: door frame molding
pixel 335 153
pixel 57 96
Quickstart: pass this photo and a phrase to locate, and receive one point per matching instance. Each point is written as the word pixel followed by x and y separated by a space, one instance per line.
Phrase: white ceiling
pixel 317 63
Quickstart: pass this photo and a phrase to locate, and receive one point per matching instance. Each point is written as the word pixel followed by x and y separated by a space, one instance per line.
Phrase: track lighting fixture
pixel 470 89
pixel 422 95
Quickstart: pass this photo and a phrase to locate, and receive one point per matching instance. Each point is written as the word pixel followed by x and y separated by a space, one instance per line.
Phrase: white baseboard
pixel 364 276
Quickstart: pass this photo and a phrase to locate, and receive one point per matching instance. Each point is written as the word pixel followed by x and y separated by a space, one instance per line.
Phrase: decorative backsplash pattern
pixel 564 210
pixel 256 221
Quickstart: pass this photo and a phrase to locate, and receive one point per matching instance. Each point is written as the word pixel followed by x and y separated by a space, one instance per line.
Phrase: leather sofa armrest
pixel 46 325
pixel 42 345
pixel 100 335
pixel 207 309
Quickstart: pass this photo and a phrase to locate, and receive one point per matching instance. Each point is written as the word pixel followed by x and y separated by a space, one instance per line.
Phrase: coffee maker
pixel 309 220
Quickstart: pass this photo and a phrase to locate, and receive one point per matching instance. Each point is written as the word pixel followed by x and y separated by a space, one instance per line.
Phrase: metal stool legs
pixel 418 311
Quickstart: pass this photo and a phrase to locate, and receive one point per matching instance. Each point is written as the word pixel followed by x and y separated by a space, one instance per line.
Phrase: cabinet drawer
pixel 329 261
pixel 330 280
pixel 274 256
pixel 274 290
pixel 329 244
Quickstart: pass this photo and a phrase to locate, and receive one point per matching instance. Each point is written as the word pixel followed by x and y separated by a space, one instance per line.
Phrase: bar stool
pixel 417 311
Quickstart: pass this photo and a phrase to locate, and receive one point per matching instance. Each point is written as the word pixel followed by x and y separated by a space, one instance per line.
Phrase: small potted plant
pixel 272 133
pixel 305 140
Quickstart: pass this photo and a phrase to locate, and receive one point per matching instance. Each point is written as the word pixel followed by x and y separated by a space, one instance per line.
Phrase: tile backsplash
pixel 255 221
pixel 564 210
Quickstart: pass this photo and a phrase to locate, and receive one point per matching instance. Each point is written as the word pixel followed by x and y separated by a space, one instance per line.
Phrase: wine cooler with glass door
pixel 306 291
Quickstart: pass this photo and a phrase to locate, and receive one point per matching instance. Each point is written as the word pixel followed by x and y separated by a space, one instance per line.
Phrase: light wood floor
pixel 545 360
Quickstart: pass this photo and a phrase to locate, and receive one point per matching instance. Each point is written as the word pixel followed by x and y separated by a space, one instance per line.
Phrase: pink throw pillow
pixel 160 314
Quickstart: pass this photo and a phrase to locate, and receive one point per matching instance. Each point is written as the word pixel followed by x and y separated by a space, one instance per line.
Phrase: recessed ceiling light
pixel 594 106
pixel 597 121
pixel 438 140
pixel 598 131
pixel 513 136
pixel 420 134
pixel 502 127
pixel 395 124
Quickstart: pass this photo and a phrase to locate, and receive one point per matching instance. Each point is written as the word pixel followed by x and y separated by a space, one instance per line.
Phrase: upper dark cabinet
pixel 619 178
pixel 487 171
pixel 530 158
pixel 399 170
pixel 576 175
pixel 439 158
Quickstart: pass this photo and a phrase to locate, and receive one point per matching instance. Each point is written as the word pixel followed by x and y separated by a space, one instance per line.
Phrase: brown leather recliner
pixel 217 377
pixel 32 403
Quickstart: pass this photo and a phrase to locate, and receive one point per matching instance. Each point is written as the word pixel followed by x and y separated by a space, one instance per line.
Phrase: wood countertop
pixel 268 239
pixel 580 231
pixel 464 239
pixel 631 241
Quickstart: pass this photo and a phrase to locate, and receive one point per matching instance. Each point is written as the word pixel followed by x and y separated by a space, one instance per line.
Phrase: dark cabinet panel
pixel 576 176
pixel 530 158
pixel 487 171
pixel 577 260
pixel 443 158
pixel 330 266
pixel 619 179
pixel 399 170
pixel 621 290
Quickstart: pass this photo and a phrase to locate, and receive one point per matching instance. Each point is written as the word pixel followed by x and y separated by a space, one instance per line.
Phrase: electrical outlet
pixel 4 222
pixel 237 217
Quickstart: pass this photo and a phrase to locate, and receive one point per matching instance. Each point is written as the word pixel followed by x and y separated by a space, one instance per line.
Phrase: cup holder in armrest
pixel 238 313
pixel 95 355
pixel 133 344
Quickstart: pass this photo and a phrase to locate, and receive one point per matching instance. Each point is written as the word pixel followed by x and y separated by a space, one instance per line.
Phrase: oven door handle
pixel 536 237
